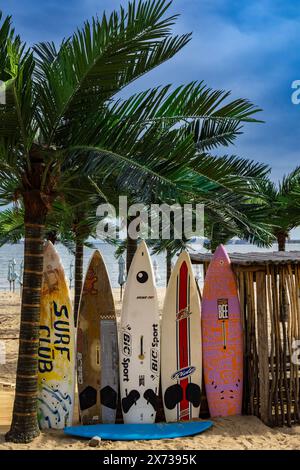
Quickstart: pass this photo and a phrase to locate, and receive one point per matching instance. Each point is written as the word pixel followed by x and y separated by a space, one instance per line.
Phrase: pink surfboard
pixel 222 338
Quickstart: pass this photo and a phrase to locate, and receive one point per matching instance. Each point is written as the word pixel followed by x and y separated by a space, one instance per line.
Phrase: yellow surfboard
pixel 56 358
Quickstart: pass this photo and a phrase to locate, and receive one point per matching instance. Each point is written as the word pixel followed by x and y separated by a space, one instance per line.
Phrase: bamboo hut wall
pixel 270 304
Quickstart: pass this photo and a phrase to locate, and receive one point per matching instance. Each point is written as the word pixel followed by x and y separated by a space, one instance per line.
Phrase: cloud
pixel 249 47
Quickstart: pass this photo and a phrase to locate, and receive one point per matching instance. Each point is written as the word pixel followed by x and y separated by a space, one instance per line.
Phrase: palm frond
pixel 11 226
pixel 17 113
pixel 289 183
pixel 97 61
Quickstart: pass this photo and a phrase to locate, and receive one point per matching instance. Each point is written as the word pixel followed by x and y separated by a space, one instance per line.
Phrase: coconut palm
pixel 143 126
pixel 226 185
pixel 63 225
pixel 171 152
pixel 50 126
pixel 220 229
pixel 281 203
pixel 46 99
pixel 223 184
pixel 241 217
pixel 11 225
pixel 57 226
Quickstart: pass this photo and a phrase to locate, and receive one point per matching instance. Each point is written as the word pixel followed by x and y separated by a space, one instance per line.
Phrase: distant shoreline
pixel 230 242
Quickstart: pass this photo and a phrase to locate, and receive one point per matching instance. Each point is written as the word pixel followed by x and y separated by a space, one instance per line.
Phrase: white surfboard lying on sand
pixel 139 346
pixel 181 368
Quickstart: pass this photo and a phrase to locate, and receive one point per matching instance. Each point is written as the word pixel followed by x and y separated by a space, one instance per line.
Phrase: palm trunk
pixel 281 239
pixel 214 243
pixel 213 248
pixel 24 427
pixel 52 236
pixel 131 248
pixel 169 265
pixel 78 276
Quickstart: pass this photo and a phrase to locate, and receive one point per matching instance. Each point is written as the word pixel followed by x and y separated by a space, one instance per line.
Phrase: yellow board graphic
pixel 56 376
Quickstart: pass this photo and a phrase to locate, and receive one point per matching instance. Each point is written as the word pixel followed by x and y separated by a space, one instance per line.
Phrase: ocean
pixel 9 253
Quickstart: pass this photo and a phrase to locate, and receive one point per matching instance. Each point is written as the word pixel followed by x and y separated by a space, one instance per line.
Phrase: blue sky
pixel 249 47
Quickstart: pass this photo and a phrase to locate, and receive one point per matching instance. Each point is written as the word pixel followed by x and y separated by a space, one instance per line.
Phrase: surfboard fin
pixel 152 398
pixel 130 400
pixel 108 397
pixel 87 398
pixel 193 394
pixel 173 395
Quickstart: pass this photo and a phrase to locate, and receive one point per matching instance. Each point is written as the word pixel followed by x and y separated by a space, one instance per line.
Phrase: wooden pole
pixel 275 341
pixel 292 335
pixel 298 329
pixel 262 346
pixel 243 304
pixel 251 347
pixel 270 306
pixel 282 277
pixel 297 335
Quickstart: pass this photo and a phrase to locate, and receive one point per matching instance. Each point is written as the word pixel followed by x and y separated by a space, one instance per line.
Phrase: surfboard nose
pixel 96 255
pixel 142 248
pixel 221 254
pixel 184 257
pixel 141 266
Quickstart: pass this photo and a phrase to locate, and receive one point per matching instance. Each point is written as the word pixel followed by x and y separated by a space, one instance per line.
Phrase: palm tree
pixel 220 229
pixel 11 225
pixel 143 126
pixel 238 217
pixel 63 225
pixel 49 94
pixel 12 228
pixel 281 204
pixel 227 186
pixel 51 127
pixel 195 118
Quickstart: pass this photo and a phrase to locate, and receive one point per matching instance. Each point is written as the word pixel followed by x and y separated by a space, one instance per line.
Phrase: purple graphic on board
pixel 222 338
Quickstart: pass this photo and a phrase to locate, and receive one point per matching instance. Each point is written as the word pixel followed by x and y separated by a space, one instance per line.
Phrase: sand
pixel 239 432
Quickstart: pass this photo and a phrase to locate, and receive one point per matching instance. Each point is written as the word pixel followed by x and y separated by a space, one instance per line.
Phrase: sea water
pixel 15 252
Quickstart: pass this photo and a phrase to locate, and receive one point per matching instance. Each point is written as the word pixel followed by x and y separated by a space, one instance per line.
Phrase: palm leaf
pixel 97 61
pixel 11 225
pixel 17 113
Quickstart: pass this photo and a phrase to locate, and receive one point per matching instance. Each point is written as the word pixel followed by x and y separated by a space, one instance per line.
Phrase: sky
pixel 251 48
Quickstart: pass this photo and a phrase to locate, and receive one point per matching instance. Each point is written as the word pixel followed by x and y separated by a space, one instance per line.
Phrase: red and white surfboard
pixel 181 357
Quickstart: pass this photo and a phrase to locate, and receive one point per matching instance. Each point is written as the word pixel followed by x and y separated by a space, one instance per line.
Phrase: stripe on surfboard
pixel 189 335
pixel 177 340
pixel 183 339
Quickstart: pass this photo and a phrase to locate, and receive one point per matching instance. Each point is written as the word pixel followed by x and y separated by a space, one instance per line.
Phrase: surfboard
pixel 181 356
pixel 139 346
pixel 136 432
pixel 56 354
pixel 222 338
pixel 97 347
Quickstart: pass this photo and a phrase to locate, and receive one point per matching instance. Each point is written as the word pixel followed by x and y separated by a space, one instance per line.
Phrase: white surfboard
pixel 181 355
pixel 56 355
pixel 139 346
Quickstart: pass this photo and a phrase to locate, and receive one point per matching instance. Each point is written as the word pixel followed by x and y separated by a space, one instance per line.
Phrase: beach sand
pixel 239 432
